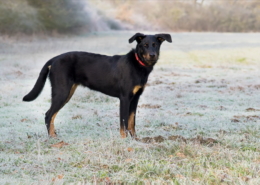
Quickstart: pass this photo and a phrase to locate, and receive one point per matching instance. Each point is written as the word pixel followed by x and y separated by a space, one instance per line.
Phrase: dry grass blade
pixel 59 144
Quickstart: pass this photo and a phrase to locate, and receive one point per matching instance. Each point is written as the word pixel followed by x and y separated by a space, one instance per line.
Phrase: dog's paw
pixel 53 134
pixel 123 134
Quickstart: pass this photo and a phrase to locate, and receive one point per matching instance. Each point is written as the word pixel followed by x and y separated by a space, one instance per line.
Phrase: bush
pixel 17 16
pixel 182 15
pixel 75 16
pixel 63 16
pixel 52 16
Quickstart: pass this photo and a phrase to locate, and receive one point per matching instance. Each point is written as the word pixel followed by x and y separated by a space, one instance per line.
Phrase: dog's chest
pixel 139 85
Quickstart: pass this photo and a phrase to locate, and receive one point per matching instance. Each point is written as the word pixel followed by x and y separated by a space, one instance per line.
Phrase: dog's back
pixel 98 72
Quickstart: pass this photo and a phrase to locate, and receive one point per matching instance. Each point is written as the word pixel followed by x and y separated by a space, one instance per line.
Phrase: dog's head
pixel 148 46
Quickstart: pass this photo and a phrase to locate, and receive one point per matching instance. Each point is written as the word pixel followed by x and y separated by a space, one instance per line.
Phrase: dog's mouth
pixel 150 60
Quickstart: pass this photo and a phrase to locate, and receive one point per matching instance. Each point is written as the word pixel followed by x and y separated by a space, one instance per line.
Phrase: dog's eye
pixel 146 45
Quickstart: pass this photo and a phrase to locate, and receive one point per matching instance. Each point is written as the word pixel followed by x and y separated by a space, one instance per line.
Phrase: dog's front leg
pixel 132 112
pixel 124 115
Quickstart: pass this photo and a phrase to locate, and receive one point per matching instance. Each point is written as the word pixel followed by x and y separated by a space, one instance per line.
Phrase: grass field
pixel 198 120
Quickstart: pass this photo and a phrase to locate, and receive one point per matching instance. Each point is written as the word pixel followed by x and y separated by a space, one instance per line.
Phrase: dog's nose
pixel 152 55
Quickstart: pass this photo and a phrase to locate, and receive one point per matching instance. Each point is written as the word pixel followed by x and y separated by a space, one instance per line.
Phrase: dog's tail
pixel 37 89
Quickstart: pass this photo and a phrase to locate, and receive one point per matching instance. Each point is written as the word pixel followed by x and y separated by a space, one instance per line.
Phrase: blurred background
pixel 52 17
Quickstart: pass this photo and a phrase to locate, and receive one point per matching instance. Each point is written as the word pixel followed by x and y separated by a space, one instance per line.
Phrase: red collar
pixel 140 62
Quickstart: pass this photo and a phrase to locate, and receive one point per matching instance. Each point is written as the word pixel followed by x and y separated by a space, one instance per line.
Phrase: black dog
pixel 121 76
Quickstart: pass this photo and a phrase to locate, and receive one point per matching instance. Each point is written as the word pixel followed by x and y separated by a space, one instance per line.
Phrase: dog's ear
pixel 163 36
pixel 138 37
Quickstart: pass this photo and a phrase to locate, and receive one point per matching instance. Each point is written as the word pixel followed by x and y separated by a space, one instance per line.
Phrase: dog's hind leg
pixel 60 96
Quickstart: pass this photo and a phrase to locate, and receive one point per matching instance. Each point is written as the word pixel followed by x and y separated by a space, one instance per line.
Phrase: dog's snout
pixel 152 55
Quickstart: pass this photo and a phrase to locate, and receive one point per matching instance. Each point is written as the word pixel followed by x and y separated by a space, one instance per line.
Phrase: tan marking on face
pixel 136 89
pixel 161 39
pixel 49 67
pixel 52 130
pixel 146 56
pixel 131 124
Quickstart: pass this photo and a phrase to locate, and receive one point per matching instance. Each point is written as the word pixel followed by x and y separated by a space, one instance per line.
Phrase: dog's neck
pixel 137 58
pixel 144 70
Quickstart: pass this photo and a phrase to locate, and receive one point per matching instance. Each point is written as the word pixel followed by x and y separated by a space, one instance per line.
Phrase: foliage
pixel 67 16
pixel 222 16
pixel 48 16
pixel 18 17
pixel 61 15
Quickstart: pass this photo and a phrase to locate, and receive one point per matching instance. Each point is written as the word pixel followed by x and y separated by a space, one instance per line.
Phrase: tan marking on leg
pixel 52 130
pixel 72 90
pixel 123 133
pixel 49 67
pixel 131 124
pixel 136 89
